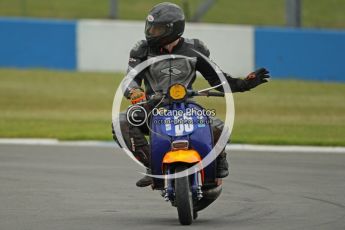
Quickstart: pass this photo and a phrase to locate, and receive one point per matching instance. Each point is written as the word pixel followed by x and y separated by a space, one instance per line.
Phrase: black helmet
pixel 164 24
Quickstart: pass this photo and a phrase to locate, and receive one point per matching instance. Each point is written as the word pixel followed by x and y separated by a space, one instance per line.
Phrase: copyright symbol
pixel 136 115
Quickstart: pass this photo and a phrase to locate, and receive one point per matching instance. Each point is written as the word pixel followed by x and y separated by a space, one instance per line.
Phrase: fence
pixel 98 45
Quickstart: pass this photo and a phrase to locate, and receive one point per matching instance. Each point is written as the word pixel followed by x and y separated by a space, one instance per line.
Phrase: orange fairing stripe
pixel 188 156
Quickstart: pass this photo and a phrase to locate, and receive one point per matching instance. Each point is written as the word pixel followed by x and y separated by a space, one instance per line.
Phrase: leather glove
pixel 256 78
pixel 137 95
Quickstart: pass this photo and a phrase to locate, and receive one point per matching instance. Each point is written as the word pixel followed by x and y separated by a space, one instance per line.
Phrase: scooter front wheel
pixel 183 196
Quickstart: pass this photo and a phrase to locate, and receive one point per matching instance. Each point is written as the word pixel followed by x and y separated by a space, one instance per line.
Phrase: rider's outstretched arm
pixel 236 84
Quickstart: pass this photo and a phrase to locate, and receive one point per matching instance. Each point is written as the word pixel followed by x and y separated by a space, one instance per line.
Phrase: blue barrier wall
pixel 302 53
pixel 38 43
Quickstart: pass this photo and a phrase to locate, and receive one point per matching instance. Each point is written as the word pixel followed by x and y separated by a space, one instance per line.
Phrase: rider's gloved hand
pixel 137 95
pixel 257 77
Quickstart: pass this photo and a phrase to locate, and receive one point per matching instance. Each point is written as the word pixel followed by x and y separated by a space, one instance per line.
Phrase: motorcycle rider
pixel 163 30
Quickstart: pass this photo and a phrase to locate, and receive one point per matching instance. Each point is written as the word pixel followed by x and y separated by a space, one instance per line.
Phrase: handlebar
pixel 190 93
pixel 208 94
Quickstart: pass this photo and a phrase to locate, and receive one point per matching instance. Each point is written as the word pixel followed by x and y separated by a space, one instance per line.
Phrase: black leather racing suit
pixel 159 76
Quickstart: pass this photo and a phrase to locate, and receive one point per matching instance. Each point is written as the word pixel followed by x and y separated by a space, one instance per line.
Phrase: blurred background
pixel 61 62
pixel 314 13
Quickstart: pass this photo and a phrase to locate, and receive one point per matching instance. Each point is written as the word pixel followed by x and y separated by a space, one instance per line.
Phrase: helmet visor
pixel 155 30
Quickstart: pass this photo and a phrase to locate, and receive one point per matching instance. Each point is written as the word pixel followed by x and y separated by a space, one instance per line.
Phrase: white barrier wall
pixel 232 47
pixel 105 45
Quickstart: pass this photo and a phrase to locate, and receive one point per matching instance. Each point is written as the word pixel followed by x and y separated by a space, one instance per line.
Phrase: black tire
pixel 195 215
pixel 183 196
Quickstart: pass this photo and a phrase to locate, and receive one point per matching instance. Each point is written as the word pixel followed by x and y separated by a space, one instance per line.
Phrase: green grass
pixel 62 105
pixel 315 13
pixel 74 106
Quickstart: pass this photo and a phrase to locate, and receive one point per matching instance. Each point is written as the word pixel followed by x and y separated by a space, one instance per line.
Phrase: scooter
pixel 181 137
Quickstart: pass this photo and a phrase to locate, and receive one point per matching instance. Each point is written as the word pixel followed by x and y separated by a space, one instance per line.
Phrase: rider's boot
pixel 145 181
pixel 142 155
pixel 222 165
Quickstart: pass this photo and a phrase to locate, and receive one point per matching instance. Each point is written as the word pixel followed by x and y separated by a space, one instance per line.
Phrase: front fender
pixel 186 156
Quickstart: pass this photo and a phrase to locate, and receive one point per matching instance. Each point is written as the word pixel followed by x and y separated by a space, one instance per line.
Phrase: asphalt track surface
pixel 65 187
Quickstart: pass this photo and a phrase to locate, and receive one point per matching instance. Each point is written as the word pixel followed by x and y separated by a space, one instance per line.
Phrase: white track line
pixel 28 141
pixel 55 142
pixel 286 148
pixel 236 147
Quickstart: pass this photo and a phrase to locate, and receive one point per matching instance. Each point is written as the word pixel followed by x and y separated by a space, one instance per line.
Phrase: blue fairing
pixel 167 128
